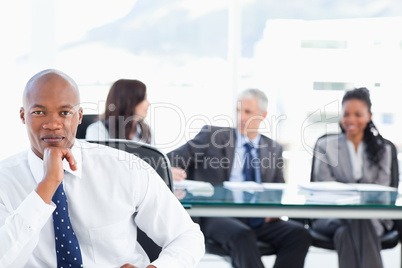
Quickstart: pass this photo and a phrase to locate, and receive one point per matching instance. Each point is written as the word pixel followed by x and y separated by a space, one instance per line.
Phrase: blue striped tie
pixel 248 168
pixel 249 175
pixel 67 248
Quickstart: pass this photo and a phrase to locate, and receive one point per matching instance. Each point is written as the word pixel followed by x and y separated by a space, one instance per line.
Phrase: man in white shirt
pixel 109 193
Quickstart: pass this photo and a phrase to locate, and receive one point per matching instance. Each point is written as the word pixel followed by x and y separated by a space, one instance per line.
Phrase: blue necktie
pixel 248 168
pixel 67 248
pixel 249 175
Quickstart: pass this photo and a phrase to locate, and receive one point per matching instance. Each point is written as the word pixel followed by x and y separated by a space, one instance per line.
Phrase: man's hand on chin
pixel 53 172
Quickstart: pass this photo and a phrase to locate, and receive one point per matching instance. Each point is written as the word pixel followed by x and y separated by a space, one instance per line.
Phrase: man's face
pixel 52 114
pixel 249 117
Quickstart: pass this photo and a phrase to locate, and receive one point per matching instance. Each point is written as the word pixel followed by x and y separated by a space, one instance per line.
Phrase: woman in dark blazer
pixel 358 155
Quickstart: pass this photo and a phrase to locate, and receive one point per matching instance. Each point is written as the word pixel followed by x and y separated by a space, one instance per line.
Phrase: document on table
pixel 243 185
pixel 199 188
pixel 333 198
pixel 333 192
pixel 275 186
pixel 332 186
pixel 372 187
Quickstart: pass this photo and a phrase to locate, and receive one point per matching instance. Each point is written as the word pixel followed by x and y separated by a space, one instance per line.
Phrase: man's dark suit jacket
pixel 210 156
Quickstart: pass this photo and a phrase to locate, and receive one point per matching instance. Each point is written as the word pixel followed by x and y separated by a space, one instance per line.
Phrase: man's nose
pixel 53 122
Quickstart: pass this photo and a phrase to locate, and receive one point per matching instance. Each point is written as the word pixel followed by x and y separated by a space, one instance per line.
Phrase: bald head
pixel 51 110
pixel 49 76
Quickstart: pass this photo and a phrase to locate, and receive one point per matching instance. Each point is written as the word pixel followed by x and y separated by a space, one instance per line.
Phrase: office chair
pixel 87 119
pixel 213 247
pixel 157 160
pixel 388 239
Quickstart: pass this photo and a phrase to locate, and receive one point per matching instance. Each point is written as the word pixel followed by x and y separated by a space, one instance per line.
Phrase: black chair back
pixel 87 119
pixel 394 165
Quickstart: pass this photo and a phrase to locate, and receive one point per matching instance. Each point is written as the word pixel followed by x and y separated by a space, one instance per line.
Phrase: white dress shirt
pixel 356 158
pixel 109 195
pixel 239 157
pixel 238 163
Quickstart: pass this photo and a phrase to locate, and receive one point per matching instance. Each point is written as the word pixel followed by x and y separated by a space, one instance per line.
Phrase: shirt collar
pixel 36 164
pixel 241 139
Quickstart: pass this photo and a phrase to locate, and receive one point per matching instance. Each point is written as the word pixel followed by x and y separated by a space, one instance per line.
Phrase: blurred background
pixel 196 56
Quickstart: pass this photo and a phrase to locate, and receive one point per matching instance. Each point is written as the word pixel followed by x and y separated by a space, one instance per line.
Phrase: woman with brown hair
pixel 126 107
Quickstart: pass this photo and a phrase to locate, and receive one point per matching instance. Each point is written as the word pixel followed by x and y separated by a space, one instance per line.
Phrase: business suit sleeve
pixel 271 158
pixel 278 176
pixel 186 155
pixel 324 162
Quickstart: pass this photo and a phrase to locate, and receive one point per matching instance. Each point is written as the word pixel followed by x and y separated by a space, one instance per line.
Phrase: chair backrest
pixel 394 164
pixel 154 157
pixel 87 119
pixel 394 161
pixel 158 161
pixel 314 156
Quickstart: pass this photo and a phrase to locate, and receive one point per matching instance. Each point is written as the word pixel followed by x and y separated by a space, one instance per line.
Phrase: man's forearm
pixel 19 229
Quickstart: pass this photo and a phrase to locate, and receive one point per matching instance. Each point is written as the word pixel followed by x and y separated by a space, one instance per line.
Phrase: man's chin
pixel 64 143
pixel 248 132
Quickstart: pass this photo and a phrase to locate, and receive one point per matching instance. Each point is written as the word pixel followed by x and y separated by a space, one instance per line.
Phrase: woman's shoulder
pixel 97 124
pixel 96 131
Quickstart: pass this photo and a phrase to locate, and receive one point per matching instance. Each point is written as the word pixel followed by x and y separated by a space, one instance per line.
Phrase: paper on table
pixel 334 186
pixel 337 199
pixel 275 186
pixel 372 187
pixel 195 187
pixel 243 185
pixel 328 186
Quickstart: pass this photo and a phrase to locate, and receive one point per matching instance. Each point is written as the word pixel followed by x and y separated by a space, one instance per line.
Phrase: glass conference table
pixel 277 200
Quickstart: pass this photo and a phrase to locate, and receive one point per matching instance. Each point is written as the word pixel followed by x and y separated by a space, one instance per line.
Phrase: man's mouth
pixel 52 139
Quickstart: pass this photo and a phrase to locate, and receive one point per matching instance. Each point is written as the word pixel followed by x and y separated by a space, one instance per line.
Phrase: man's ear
pixel 22 115
pixel 264 114
pixel 80 112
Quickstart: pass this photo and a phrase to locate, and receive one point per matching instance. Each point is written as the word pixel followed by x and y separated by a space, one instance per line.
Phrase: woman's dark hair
pixel 375 146
pixel 119 117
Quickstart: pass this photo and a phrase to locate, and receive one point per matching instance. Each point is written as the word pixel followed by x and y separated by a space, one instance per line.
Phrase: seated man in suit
pixel 199 156
pixel 109 194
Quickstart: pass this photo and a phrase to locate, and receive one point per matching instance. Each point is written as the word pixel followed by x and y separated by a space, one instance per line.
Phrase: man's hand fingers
pixel 178 174
pixel 70 159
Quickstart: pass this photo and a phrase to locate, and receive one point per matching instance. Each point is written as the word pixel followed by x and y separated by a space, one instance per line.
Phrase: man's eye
pixel 37 112
pixel 66 113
